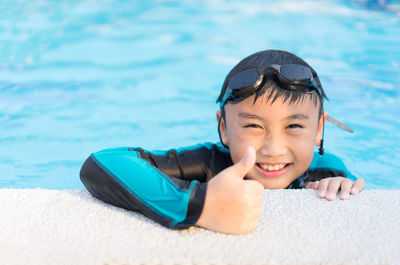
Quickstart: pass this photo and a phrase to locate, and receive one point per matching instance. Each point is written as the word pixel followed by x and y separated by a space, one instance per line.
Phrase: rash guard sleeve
pixel 169 187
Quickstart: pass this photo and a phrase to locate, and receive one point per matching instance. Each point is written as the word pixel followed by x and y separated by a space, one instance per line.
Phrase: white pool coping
pixel 40 226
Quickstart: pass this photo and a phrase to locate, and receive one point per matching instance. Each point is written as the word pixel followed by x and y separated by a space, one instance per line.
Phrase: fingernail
pixel 354 190
pixel 321 193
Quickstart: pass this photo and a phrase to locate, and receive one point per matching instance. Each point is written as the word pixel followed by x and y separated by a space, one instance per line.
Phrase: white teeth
pixel 271 167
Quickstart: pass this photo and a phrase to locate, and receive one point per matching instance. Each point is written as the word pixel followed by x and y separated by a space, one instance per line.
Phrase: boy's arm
pixel 231 204
pixel 168 187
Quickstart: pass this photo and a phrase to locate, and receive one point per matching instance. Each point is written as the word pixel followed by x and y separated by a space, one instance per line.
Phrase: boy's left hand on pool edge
pixel 329 187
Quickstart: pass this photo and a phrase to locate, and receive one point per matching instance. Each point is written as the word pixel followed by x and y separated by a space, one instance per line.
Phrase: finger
pixel 253 215
pixel 255 202
pixel 241 168
pixel 345 187
pixel 333 188
pixel 247 227
pixel 315 185
pixel 252 226
pixel 258 213
pixel 253 187
pixel 312 185
pixel 323 185
pixel 358 186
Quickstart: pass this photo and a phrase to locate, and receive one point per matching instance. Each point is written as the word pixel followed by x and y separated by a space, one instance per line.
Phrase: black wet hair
pixel 269 87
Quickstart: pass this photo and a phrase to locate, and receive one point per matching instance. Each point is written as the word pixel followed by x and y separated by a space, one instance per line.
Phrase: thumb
pixel 246 163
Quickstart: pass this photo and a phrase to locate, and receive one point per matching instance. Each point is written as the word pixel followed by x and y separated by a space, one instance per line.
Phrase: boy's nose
pixel 273 146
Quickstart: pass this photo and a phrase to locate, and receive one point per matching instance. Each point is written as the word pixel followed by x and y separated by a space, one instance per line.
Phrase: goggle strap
pixel 338 123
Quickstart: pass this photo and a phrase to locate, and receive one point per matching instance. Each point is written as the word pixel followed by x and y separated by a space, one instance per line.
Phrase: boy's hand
pixel 329 187
pixel 233 204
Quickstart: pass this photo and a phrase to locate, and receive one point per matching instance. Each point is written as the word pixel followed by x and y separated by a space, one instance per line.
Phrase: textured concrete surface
pixel 70 227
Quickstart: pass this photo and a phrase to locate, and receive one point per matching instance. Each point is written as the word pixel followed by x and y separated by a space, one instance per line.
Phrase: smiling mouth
pixel 271 167
pixel 272 170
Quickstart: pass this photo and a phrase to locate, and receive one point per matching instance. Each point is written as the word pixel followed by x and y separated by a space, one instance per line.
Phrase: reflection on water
pixel 76 77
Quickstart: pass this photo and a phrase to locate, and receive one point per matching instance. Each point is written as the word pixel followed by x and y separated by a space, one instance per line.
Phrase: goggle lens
pixel 294 72
pixel 244 79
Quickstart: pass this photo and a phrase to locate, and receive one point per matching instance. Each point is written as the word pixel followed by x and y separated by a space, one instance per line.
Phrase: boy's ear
pixel 222 128
pixel 320 131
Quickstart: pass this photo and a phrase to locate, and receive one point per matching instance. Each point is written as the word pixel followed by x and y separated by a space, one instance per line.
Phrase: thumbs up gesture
pixel 233 204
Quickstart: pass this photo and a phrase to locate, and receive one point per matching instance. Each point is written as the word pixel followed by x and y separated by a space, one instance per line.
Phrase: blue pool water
pixel 80 76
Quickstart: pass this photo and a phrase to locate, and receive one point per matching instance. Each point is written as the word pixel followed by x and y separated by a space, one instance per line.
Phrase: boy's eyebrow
pixel 297 116
pixel 249 116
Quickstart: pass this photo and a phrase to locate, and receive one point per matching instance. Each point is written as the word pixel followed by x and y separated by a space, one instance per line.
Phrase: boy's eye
pixel 252 125
pixel 294 126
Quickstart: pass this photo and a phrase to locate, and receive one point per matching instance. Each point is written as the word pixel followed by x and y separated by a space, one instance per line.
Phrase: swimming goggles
pixel 289 76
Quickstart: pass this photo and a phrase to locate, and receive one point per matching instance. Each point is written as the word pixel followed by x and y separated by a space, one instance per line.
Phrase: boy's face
pixel 282 134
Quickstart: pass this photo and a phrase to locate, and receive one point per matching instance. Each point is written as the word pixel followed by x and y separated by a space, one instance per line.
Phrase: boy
pixel 271 116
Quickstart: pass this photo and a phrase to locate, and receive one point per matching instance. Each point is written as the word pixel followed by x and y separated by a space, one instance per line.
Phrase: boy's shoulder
pixel 331 164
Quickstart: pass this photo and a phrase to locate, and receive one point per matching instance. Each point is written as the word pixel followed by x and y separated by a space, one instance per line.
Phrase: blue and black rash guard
pixel 170 186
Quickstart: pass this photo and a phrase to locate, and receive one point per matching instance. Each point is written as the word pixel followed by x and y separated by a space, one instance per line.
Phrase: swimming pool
pixel 80 76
